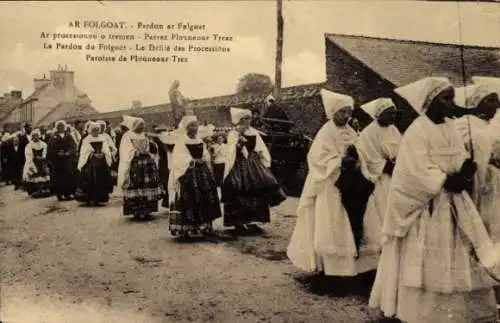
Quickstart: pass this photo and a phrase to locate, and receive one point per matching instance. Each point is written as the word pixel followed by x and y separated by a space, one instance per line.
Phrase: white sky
pixel 251 23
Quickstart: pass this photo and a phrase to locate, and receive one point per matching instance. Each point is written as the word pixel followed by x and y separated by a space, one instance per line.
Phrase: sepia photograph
pixel 245 161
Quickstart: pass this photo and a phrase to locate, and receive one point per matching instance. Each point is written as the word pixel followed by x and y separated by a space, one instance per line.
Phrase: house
pixel 367 67
pixel 9 103
pixel 52 98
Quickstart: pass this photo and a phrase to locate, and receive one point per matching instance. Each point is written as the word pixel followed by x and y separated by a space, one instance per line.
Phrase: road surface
pixel 62 262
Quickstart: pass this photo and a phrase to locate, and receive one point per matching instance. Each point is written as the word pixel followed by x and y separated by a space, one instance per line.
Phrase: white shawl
pixel 324 161
pixel 127 153
pixel 376 144
pixel 29 166
pixel 232 142
pixel 87 149
pixel 111 144
pixel 426 156
pixel 181 160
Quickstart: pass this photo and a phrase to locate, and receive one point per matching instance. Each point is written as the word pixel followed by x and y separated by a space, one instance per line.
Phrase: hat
pixel 93 125
pixel 470 96
pixel 237 114
pixel 270 98
pixel 333 102
pixel 58 122
pixel 36 132
pixel 187 120
pixel 135 122
pixel 376 107
pixel 421 93
pixel 127 121
pixel 101 122
pixel 87 125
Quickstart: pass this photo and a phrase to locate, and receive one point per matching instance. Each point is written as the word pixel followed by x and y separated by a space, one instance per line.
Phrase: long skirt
pixel 38 184
pixel 490 204
pixel 248 191
pixel 114 173
pixel 64 176
pixel 142 188
pixel 94 181
pixel 219 173
pixel 198 203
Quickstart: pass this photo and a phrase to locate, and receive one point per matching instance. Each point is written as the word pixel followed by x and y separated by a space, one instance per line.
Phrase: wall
pixel 349 76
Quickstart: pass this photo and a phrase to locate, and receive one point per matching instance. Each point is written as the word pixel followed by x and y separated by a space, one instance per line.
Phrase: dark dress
pixel 61 155
pixel 6 165
pixel 38 184
pixel 94 180
pixel 249 189
pixel 355 191
pixel 15 163
pixel 163 168
pixel 142 188
pixel 198 204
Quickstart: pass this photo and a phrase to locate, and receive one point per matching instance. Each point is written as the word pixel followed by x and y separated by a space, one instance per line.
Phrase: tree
pixel 254 82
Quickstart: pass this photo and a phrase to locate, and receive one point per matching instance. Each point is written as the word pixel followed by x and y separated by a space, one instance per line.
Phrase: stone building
pixel 9 104
pixel 367 68
pixel 53 98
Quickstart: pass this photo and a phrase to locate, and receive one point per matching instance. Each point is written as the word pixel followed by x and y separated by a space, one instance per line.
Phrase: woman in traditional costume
pixel 437 256
pixel 483 99
pixel 94 180
pixel 328 236
pixel 378 147
pixel 61 154
pixel 192 188
pixel 249 187
pixel 85 134
pixel 5 151
pixel 138 174
pixel 36 173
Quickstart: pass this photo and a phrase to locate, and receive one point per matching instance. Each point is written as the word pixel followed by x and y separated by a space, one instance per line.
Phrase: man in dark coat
pixel 15 159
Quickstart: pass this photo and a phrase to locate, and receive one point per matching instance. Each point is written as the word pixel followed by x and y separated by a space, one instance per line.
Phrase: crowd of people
pixel 190 169
pixel 419 210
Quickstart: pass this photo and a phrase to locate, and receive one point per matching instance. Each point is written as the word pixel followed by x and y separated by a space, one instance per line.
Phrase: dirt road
pixel 65 263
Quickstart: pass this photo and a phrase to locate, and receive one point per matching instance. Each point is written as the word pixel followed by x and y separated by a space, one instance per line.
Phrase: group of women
pixel 192 178
pixel 248 188
pixel 419 208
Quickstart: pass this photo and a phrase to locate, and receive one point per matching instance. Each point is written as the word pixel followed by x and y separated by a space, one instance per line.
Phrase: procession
pixel 415 215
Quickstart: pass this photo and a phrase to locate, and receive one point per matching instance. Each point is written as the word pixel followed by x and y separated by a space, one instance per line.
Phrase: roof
pixel 403 61
pixel 232 100
pixel 67 110
pixel 6 110
pixel 36 93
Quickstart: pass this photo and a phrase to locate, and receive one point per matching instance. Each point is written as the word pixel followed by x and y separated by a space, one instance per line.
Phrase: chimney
pixel 16 94
pixel 136 104
pixel 40 82
pixel 62 78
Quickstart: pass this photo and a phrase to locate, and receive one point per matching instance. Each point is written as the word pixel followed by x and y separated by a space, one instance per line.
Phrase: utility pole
pixel 279 51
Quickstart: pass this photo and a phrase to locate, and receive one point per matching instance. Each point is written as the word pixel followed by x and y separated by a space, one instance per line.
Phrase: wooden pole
pixel 279 51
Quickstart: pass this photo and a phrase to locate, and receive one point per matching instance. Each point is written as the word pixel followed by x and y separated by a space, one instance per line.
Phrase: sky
pixel 252 24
